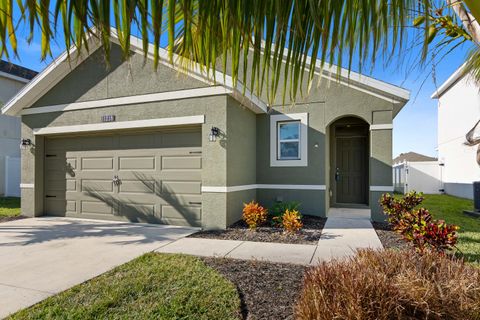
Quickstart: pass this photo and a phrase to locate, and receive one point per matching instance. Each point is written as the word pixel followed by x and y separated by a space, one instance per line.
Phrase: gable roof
pixel 381 89
pixel 412 157
pixel 452 80
pixel 62 66
pixel 16 72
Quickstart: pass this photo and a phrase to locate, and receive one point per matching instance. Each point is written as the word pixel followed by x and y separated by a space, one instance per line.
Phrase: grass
pixel 153 286
pixel 450 209
pixel 9 207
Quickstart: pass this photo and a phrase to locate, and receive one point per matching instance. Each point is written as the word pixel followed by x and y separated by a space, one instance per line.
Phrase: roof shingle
pixel 17 70
pixel 412 157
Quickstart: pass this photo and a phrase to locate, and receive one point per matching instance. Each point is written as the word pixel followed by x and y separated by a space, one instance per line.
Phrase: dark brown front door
pixel 351 168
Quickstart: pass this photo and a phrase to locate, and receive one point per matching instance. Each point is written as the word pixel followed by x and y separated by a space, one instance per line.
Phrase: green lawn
pixel 9 207
pixel 450 209
pixel 153 286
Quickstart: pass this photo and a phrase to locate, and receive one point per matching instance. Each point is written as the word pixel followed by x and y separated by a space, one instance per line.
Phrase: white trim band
pixel 27 186
pixel 222 189
pixel 144 98
pixel 381 127
pixel 382 188
pixel 151 123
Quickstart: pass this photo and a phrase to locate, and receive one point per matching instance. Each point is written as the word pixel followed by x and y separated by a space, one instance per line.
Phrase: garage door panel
pixel 190 214
pixel 138 141
pixel 92 163
pixel 160 177
pixel 97 186
pixel 181 187
pixel 181 162
pixel 181 139
pixel 181 175
pixel 181 199
pixel 56 163
pixel 71 206
pixel 136 163
pixel 96 207
pixel 98 142
pixel 139 211
pixel 55 207
pixel 56 184
pixel 72 163
pixel 141 187
pixel 71 185
pixel 60 144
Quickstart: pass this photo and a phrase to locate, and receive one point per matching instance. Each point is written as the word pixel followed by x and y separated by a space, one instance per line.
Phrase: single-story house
pixel 12 78
pixel 458 112
pixel 128 142
pixel 417 172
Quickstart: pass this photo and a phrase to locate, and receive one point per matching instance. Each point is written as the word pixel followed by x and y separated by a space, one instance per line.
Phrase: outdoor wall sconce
pixel 25 143
pixel 214 133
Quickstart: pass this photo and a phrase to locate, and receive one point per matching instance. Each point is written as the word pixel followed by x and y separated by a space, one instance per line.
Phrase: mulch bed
pixel 312 229
pixel 6 219
pixel 268 290
pixel 389 238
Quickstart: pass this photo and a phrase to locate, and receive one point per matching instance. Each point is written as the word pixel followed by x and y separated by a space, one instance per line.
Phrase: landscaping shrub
pixel 254 214
pixel 417 225
pixel 391 284
pixel 292 221
pixel 278 210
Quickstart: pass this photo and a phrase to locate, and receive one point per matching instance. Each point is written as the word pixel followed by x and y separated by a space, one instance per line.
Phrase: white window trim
pixel 274 142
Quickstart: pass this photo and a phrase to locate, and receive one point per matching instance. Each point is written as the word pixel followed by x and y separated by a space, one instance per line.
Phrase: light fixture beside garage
pixel 25 143
pixel 214 133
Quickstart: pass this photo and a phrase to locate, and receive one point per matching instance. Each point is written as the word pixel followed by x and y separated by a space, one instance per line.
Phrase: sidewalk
pixel 346 230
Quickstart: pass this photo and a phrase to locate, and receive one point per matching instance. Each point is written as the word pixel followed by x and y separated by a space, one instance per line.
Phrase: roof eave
pixel 456 76
pixel 46 79
pixel 61 66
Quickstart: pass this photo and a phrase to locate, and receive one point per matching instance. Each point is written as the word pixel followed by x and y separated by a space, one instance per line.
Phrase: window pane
pixel 289 130
pixel 289 150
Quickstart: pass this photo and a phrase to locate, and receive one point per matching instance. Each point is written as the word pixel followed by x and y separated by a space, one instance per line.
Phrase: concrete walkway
pixel 345 231
pixel 43 256
pixel 40 257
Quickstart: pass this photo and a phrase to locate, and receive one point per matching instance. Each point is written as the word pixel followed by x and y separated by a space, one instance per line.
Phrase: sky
pixel 415 127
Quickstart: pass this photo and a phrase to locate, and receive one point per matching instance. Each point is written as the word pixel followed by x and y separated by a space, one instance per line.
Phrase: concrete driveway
pixel 43 256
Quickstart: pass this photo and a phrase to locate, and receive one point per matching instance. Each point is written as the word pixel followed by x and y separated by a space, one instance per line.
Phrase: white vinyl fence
pixel 12 176
pixel 423 177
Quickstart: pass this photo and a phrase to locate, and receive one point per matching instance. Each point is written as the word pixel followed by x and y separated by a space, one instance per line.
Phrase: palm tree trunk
pixel 469 21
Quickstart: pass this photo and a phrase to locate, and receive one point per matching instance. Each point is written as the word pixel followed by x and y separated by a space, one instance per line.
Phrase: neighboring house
pixel 458 111
pixel 134 144
pixel 416 172
pixel 12 79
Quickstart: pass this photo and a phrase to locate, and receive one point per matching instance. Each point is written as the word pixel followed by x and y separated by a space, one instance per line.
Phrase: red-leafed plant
pixel 417 225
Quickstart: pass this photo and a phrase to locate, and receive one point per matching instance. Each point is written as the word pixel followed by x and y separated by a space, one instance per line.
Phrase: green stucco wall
pixel 92 80
pixel 239 157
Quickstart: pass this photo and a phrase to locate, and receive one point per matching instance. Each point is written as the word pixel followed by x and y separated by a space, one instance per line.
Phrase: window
pixel 288 140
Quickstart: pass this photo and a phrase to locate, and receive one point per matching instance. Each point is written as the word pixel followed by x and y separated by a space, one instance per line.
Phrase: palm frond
pixel 268 45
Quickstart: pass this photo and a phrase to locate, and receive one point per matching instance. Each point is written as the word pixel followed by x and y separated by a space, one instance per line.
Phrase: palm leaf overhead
pixel 230 34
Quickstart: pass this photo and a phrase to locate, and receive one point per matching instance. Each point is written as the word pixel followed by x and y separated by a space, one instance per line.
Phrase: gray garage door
pixel 150 177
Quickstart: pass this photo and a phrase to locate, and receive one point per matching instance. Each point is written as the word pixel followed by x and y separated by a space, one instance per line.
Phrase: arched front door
pixel 349 162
